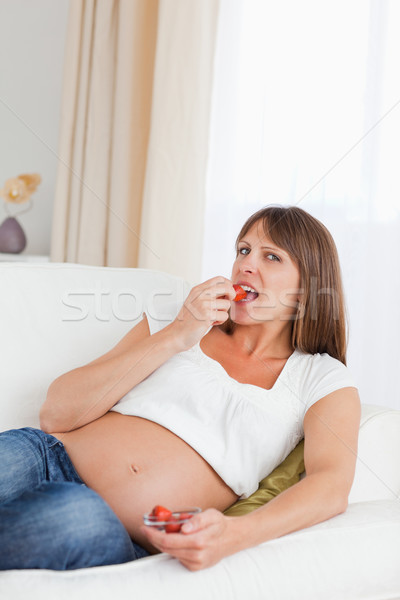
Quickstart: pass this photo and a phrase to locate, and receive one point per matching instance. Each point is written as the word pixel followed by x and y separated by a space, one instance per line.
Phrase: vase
pixel 12 236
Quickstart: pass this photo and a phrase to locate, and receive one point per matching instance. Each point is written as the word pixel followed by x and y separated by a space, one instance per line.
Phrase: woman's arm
pixel 331 428
pixel 88 392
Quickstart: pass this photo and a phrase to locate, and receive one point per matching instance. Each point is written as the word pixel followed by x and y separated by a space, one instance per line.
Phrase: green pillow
pixel 285 475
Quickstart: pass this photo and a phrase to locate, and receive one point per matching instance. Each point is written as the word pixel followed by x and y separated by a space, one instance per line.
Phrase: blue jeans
pixel 49 519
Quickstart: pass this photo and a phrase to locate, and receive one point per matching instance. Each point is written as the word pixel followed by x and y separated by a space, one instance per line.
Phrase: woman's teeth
pixel 251 293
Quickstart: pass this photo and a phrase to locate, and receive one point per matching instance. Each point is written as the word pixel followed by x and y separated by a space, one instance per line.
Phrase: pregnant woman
pixel 195 413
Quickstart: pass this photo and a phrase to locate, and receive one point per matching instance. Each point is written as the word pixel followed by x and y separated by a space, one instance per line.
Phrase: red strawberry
pixel 161 513
pixel 185 516
pixel 173 526
pixel 240 293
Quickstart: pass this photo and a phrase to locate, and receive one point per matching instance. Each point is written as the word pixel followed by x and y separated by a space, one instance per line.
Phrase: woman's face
pixel 270 271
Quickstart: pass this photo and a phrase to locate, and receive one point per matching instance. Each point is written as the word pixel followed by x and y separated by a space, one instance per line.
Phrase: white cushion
pixel 354 556
pixel 56 317
pixel 377 473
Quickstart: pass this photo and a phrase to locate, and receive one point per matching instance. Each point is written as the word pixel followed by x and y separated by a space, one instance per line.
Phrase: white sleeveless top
pixel 243 431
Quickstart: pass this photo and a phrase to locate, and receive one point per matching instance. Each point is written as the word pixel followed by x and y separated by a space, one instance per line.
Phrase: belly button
pixel 135 469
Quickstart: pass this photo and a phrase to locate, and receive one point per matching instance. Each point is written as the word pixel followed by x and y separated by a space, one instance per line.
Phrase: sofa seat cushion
pixel 353 556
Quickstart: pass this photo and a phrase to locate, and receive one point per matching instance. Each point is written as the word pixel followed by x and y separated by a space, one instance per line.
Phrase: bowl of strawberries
pixel 168 520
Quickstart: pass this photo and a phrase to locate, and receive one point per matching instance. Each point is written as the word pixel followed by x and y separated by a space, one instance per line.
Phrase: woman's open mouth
pixel 251 293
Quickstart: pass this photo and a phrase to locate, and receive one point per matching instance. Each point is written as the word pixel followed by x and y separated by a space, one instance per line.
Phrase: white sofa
pixel 57 316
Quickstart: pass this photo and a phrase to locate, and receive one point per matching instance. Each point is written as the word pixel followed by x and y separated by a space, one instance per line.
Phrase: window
pixel 306 111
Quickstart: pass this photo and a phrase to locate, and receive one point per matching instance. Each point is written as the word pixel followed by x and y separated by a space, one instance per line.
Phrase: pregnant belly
pixel 135 464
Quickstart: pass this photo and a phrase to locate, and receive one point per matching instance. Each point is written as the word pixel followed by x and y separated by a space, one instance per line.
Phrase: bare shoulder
pixel 344 399
pixel 331 428
pixel 341 407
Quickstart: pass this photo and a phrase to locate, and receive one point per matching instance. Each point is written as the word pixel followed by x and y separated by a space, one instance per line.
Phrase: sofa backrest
pixel 58 316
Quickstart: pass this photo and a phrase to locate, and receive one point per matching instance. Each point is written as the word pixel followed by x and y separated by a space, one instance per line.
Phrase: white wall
pixel 32 42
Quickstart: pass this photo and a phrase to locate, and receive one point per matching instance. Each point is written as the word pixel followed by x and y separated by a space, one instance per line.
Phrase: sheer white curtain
pixel 306 111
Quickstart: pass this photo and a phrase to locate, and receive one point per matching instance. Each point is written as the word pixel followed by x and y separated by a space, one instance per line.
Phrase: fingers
pixel 219 286
pixel 217 297
pixel 212 296
pixel 205 309
pixel 196 551
pixel 220 303
pixel 207 304
pixel 199 546
pixel 175 544
pixel 201 521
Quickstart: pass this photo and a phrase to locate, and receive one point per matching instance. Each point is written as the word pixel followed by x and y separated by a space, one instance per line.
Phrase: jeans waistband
pixel 59 464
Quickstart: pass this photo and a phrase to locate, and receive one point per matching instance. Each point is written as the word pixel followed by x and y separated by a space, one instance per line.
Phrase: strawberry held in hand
pixel 240 293
pixel 161 513
pixel 173 525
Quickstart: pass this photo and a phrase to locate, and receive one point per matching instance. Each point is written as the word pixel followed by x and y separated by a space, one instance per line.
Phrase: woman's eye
pixel 275 258
pixel 244 251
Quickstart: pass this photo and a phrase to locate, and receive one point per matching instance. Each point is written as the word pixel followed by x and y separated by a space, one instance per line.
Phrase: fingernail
pixel 186 527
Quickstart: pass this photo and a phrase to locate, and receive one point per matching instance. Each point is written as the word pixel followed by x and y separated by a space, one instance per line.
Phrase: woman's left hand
pixel 202 541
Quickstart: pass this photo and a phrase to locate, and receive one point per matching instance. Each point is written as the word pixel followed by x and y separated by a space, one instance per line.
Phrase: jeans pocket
pixel 60 465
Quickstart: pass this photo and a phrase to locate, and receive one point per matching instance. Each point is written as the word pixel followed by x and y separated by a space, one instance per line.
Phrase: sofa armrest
pixel 377 474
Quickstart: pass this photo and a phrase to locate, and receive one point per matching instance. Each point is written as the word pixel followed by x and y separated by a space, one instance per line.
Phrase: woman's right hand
pixel 206 305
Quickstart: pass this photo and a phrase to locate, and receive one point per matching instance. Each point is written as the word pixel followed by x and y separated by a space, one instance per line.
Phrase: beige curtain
pixel 134 134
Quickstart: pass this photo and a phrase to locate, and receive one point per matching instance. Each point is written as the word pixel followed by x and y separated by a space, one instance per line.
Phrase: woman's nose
pixel 249 264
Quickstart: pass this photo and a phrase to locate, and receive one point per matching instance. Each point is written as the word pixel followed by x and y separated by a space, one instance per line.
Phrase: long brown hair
pixel 320 323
